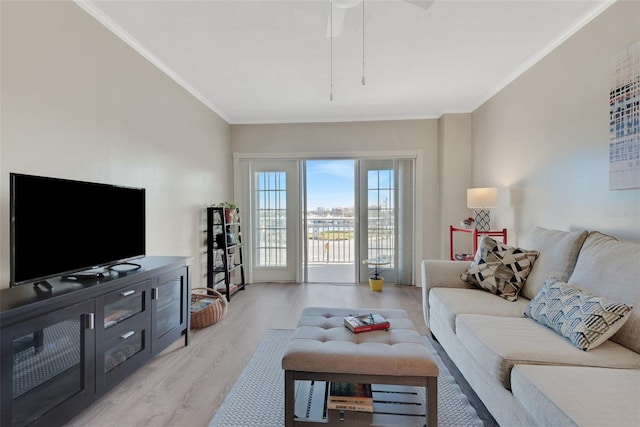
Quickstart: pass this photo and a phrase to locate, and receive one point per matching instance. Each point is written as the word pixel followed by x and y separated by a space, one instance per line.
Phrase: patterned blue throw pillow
pixel 585 319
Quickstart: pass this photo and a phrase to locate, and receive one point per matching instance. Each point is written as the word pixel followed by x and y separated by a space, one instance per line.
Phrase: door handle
pixel 127 335
pixel 91 321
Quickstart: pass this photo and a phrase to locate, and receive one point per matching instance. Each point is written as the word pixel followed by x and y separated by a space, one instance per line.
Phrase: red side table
pixel 493 233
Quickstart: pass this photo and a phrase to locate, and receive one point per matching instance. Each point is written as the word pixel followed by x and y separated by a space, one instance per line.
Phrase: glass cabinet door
pixel 169 309
pixel 49 364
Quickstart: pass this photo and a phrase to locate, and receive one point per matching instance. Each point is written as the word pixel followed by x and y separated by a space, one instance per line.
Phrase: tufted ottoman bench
pixel 322 349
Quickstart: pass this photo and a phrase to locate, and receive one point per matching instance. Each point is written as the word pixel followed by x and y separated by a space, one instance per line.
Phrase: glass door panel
pixel 378 211
pixel 51 357
pixel 271 224
pixel 275 220
pixel 387 217
pixel 380 214
pixel 168 310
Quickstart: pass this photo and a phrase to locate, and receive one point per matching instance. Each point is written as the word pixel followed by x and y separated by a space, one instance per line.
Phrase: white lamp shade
pixel 480 198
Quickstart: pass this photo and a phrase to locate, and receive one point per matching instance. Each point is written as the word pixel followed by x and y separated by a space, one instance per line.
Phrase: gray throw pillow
pixel 585 319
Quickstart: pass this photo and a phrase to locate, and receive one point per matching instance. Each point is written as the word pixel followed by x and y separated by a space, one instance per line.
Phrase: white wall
pixel 78 103
pixel 347 139
pixel 455 177
pixel 544 139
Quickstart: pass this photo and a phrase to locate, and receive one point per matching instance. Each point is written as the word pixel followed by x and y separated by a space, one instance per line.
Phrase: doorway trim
pixel 240 193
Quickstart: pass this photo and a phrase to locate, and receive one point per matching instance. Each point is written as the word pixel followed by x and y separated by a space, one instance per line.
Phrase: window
pixel 271 224
pixel 381 213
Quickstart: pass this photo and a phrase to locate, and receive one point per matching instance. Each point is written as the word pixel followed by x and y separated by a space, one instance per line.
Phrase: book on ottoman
pixel 350 397
pixel 366 322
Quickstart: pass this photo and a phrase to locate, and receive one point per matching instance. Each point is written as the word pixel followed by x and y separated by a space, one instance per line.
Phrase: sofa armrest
pixel 441 274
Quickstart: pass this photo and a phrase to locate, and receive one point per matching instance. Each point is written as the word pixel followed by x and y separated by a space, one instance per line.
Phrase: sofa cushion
pixel 569 395
pixel 500 269
pixel 558 254
pixel 447 303
pixel 584 319
pixel 499 343
pixel 610 268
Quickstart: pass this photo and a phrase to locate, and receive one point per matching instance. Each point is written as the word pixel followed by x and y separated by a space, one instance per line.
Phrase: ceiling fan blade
pixel 338 18
pixel 340 8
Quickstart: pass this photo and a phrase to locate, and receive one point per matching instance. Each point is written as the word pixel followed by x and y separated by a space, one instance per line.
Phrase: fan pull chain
pixel 331 50
pixel 363 79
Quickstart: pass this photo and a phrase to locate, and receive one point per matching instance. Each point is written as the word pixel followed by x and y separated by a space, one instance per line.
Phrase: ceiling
pixel 272 61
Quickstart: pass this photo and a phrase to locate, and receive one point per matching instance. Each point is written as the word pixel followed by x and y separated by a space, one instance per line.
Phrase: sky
pixel 330 183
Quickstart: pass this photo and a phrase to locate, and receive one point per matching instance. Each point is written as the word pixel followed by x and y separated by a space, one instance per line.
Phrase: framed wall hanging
pixel 624 119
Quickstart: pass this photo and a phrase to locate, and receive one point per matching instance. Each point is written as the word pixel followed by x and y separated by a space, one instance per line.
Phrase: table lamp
pixel 481 200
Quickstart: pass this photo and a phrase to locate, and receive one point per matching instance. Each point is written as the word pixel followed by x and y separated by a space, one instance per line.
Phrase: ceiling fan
pixel 340 8
pixel 337 13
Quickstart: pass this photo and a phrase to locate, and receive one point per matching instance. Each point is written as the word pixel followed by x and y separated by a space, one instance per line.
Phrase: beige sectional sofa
pixel 524 372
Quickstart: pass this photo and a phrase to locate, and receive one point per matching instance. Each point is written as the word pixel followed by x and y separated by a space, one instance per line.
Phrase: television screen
pixel 60 226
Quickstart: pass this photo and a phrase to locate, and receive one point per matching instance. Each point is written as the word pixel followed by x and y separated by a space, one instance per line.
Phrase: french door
pixel 273 191
pixel 274 215
pixel 386 211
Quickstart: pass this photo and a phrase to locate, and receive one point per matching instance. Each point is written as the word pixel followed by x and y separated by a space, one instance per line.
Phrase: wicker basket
pixel 211 313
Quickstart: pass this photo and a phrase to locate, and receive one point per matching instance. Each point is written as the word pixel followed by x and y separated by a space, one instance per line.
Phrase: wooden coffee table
pixel 323 350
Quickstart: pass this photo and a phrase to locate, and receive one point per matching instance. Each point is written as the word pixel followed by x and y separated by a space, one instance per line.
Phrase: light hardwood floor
pixel 184 386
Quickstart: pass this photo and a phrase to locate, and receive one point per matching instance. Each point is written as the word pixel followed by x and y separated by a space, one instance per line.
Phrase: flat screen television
pixel 60 226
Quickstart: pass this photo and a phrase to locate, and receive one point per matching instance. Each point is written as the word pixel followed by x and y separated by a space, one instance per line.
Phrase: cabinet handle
pixel 127 293
pixel 155 294
pixel 90 321
pixel 127 335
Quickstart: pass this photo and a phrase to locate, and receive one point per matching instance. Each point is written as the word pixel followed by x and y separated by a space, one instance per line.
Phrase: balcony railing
pixel 332 240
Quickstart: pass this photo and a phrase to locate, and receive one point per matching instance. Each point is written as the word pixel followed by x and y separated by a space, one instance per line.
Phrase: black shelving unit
pixel 225 268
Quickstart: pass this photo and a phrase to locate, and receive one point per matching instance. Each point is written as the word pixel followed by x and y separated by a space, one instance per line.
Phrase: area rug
pixel 257 397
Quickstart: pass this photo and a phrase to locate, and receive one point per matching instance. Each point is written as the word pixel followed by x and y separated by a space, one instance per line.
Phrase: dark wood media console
pixel 62 350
